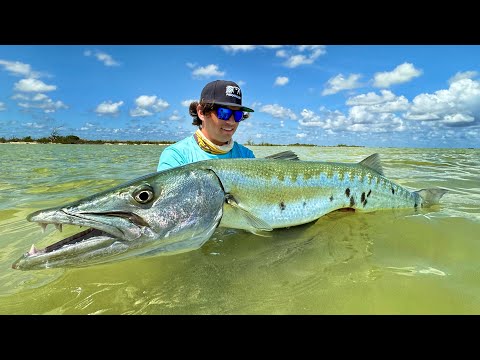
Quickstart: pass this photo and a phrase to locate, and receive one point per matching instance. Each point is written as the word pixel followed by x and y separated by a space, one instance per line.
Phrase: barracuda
pixel 177 210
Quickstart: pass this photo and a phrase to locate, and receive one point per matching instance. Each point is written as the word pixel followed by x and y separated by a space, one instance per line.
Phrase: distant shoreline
pixel 103 143
pixel 161 144
pixel 55 138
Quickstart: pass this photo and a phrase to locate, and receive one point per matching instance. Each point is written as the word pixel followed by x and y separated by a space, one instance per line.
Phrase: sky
pixel 365 95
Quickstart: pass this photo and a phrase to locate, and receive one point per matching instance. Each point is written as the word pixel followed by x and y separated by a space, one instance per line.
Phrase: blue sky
pixel 369 95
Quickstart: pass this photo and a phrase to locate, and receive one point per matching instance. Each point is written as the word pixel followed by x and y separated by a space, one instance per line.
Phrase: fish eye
pixel 143 194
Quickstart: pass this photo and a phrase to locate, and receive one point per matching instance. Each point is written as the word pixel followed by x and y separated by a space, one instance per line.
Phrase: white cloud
pixel 147 105
pixel 278 111
pixel 2 106
pixel 295 55
pixel 386 102
pixel 145 100
pixel 281 80
pixel 20 97
pixel 39 97
pixel 339 83
pixel 326 120
pixel 300 55
pixel 18 68
pixel 397 105
pixel 187 103
pixel 175 116
pixel 109 108
pixel 160 105
pixel 103 57
pixel 459 105
pixel 421 116
pixel 140 112
pixel 462 75
pixel 309 53
pixel 207 71
pixel 458 119
pixel 362 120
pixel 246 48
pixel 359 119
pixel 371 98
pixel 301 135
pixel 401 74
pixel 33 85
pixel 35 125
pixel 45 104
pixel 39 101
pixel 236 48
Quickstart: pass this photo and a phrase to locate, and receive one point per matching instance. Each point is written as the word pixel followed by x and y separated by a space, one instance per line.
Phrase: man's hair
pixel 207 109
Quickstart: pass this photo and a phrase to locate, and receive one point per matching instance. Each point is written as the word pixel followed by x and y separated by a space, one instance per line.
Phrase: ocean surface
pixel 384 262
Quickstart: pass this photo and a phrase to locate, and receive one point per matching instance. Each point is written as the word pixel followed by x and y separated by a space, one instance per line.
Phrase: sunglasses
pixel 225 113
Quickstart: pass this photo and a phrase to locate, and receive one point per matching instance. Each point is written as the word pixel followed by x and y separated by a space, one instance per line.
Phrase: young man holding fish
pixel 217 115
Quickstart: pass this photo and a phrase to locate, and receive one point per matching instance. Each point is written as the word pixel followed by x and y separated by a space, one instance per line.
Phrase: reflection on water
pixel 394 262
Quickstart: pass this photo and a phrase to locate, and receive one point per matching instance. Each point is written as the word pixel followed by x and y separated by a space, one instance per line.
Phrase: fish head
pixel 169 211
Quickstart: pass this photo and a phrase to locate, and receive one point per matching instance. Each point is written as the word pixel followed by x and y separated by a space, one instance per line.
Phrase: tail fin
pixel 431 196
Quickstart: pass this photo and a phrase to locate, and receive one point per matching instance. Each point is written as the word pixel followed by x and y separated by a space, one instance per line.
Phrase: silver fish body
pixel 179 209
pixel 284 194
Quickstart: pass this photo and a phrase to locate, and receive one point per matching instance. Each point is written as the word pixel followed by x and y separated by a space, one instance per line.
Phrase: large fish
pixel 178 209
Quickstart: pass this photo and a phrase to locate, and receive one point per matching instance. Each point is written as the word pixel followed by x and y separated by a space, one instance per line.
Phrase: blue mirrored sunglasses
pixel 225 113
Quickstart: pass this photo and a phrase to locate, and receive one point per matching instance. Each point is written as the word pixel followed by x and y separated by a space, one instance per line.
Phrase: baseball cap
pixel 223 92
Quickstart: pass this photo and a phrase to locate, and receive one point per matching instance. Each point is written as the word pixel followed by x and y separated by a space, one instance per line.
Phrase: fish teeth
pixel 43 226
pixel 59 227
pixel 33 250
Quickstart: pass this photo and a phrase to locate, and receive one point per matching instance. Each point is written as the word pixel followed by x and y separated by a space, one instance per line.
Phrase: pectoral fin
pixel 255 224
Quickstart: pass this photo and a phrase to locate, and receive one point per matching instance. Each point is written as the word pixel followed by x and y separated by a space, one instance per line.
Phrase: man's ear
pixel 200 113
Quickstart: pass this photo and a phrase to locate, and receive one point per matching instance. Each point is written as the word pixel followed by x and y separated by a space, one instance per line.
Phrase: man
pixel 217 115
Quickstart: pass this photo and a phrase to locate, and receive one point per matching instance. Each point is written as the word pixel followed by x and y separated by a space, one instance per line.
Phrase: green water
pixel 387 262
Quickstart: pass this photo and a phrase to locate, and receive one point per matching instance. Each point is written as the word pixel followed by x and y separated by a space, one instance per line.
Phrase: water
pixel 386 262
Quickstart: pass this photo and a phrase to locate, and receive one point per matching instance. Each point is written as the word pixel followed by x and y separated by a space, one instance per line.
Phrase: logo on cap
pixel 233 91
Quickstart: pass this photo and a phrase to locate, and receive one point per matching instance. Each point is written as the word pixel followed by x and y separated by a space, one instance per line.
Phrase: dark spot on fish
pixel 282 206
pixel 369 192
pixel 393 191
pixel 331 198
pixel 365 203
pixel 304 204
pixel 415 206
pixel 352 201
pixel 363 197
pixel 347 192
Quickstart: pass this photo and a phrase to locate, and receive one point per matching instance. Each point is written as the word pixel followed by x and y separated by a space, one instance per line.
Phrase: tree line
pixel 73 139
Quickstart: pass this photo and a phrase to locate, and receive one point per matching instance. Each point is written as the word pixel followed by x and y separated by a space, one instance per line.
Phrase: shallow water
pixel 386 262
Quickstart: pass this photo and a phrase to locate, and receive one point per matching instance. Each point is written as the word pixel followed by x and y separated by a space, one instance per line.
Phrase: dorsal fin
pixel 373 162
pixel 284 155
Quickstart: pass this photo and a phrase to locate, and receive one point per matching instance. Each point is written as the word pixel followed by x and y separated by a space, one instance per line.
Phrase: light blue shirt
pixel 187 151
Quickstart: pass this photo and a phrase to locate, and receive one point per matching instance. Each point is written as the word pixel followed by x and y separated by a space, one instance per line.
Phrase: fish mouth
pixel 71 240
pixel 97 222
